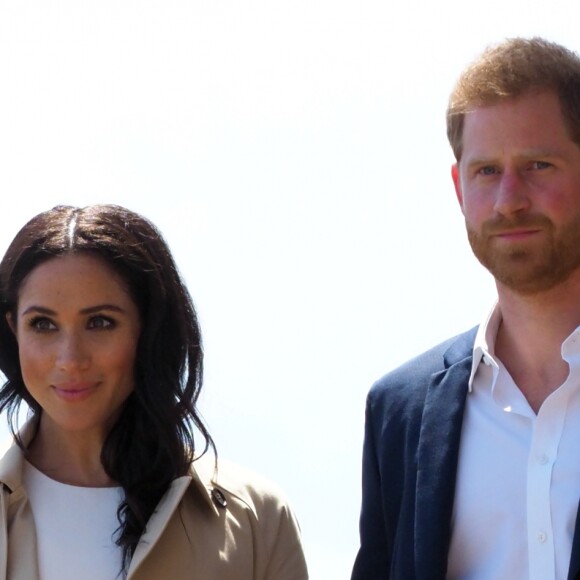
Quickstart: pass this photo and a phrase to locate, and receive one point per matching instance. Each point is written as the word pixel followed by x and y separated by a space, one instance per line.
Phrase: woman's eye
pixel 42 324
pixel 100 322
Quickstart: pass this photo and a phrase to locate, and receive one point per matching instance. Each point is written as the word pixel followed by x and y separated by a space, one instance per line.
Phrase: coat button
pixel 218 497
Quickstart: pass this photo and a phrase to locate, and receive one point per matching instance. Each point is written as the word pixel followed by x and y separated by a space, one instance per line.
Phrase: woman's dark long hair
pixel 152 442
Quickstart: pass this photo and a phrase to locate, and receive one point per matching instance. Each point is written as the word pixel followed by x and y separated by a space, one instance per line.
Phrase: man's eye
pixel 487 170
pixel 540 165
pixel 100 322
pixel 41 324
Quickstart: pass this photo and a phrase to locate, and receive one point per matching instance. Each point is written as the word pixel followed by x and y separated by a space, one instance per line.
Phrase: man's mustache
pixel 501 225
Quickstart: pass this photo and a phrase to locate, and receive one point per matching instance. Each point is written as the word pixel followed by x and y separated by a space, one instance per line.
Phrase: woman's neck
pixel 71 457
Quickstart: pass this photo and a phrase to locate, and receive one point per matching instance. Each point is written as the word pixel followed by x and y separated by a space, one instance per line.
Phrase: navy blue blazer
pixel 413 426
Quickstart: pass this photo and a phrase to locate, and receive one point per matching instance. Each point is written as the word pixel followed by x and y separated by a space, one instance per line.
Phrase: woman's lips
pixel 74 392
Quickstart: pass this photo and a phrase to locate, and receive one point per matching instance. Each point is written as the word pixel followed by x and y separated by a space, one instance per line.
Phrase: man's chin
pixel 529 279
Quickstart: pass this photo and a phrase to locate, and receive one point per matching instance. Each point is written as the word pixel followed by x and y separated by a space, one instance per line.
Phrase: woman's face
pixel 77 329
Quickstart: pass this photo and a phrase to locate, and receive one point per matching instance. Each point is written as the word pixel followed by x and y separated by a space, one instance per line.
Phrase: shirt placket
pixel 547 432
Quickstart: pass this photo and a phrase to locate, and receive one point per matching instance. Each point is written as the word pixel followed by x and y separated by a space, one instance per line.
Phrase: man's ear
pixel 457 184
pixel 11 322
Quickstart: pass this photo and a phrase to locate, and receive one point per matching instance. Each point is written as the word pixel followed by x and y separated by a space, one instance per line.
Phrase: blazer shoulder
pixel 414 375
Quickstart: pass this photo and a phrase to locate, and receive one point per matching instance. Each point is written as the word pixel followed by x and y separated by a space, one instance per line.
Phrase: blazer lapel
pixel 574 571
pixel 437 467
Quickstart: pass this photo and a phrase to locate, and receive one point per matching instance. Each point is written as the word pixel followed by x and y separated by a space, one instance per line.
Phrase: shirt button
pixel 544 459
pixel 542 537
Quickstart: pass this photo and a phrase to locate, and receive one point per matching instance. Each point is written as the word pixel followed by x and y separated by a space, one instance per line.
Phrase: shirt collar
pixel 484 345
pixel 485 341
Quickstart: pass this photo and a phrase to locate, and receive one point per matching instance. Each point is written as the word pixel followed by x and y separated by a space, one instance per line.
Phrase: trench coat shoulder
pixel 226 523
pixel 241 486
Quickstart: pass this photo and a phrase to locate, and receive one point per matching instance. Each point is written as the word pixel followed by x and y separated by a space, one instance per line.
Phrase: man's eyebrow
pixel 480 161
pixel 89 310
pixel 535 153
pixel 528 154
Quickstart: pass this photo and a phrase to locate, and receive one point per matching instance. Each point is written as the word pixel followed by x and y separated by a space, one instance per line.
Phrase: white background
pixel 294 156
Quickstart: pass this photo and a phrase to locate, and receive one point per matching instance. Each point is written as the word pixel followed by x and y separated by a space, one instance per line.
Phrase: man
pixel 471 461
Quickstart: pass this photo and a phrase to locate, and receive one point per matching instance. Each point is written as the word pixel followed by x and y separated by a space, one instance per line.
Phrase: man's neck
pixel 531 334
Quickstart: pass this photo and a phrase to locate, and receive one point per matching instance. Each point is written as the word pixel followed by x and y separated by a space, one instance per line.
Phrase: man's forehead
pixel 499 103
pixel 531 127
pixel 532 116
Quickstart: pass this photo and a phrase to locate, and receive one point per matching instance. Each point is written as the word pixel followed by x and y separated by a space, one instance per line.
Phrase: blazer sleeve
pixel 374 556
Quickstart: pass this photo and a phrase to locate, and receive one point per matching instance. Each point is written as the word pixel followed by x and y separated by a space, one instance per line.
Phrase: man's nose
pixel 512 194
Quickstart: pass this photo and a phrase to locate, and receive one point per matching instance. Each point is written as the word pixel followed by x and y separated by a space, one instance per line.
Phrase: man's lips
pixel 517 229
pixel 74 391
pixel 516 234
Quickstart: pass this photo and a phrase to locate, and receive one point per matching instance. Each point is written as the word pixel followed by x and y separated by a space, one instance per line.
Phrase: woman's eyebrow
pixel 40 310
pixel 89 310
pixel 100 307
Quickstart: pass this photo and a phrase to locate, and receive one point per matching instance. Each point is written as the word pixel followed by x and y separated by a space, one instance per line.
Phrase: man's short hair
pixel 508 70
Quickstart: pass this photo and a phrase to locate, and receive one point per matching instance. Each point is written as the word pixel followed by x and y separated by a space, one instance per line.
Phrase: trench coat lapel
pixel 437 457
pixel 18 551
pixel 158 522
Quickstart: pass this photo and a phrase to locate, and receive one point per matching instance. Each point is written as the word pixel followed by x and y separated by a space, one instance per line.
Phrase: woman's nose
pixel 72 353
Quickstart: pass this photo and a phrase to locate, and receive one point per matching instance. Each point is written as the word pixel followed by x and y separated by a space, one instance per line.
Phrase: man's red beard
pixel 531 266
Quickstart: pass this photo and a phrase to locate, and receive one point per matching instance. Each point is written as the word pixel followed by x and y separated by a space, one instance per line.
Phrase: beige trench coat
pixel 229 526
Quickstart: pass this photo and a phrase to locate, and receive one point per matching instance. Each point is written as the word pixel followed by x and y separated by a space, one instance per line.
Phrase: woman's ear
pixel 11 322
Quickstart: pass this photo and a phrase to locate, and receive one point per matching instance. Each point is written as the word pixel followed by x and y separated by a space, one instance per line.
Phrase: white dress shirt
pixel 518 479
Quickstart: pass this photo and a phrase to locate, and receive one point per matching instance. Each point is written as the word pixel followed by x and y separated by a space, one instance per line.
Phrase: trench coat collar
pixel 201 479
pixel 11 466
pixel 18 554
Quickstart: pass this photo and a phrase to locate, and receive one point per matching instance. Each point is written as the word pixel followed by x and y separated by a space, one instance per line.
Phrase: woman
pixel 98 335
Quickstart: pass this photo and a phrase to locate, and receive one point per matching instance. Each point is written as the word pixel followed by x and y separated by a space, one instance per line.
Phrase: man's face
pixel 518 183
